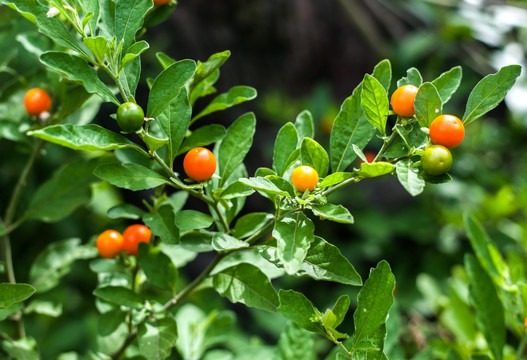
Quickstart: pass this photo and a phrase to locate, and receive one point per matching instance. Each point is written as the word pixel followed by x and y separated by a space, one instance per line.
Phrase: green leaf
pixel 77 69
pixel 369 170
pixel 371 347
pixel 374 302
pixel 199 86
pixel 383 73
pixel 448 82
pixel 324 261
pixel 124 211
pixel 192 219
pixel 340 309
pixel 55 262
pixel 130 176
pixel 284 145
pixel 84 137
pixel 296 307
pixel 249 224
pixel 374 103
pixel 235 145
pixel 110 321
pixel 167 86
pixel 163 224
pixel 337 213
pixel 202 136
pixel 174 123
pixel 314 155
pixel 489 310
pixel 264 185
pixel 413 77
pixel 68 189
pixel 409 177
pixel 428 104
pixel 120 295
pixel 305 126
pixel 157 266
pixel 98 46
pixel 246 283
pixel 43 307
pixel 134 51
pixel 221 242
pixel 335 178
pixel 49 26
pixel 294 234
pixel 235 96
pixel 489 92
pixel 11 294
pixel 296 343
pixel 129 16
pixel 236 190
pixel 157 337
pixel 350 127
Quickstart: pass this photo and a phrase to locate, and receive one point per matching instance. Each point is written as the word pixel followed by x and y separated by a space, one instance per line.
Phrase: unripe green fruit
pixel 130 117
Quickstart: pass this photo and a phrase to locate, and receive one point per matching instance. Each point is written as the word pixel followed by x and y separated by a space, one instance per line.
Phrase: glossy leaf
pixel 305 126
pixel 235 145
pixel 335 178
pixel 235 96
pixel 383 73
pixel 374 302
pixel 428 104
pixel 11 294
pixel 250 223
pixel 236 190
pixel 489 92
pixel 98 46
pixel 84 137
pixel 157 337
pixel 129 16
pixel 246 283
pixel 162 224
pixel 284 145
pixel 157 266
pixel 296 307
pixel 77 69
pixel 489 310
pixel 337 213
pixel 413 77
pixel 130 176
pixel 448 82
pixel 205 70
pixel 350 127
pixel 409 177
pixel 55 262
pixel 374 102
pixel 167 86
pixel 294 234
pixel 120 296
pixel 192 219
pixel 369 170
pixel 202 136
pixel 314 155
pixel 221 242
pixel 134 51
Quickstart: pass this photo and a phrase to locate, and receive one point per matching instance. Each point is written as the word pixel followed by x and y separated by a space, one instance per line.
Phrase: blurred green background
pixel 310 54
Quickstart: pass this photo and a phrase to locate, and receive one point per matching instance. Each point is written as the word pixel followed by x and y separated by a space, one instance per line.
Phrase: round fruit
pixel 304 178
pixel 109 243
pixel 130 117
pixel 161 2
pixel 403 100
pixel 199 164
pixel 133 235
pixel 447 130
pixel 37 101
pixel 436 160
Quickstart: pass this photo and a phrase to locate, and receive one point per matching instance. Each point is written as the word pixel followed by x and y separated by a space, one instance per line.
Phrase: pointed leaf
pixel 413 77
pixel 163 224
pixel 192 219
pixel 296 307
pixel 294 234
pixel 11 294
pixel 157 337
pixel 158 268
pixel 409 177
pixel 340 309
pixel 350 127
pixel 305 125
pixel 428 104
pixel 314 155
pixel 235 145
pixel 110 321
pixel 383 73
pixel 337 213
pixel 235 96
pixel 77 69
pixel 246 283
pixel 84 137
pixel 369 170
pixel 250 223
pixel 374 102
pixel 134 51
pixel 448 82
pixel 129 17
pixel 167 86
pixel 130 176
pixel 489 92
pixel 202 136
pixel 335 178
pixel 120 295
pixel 204 71
pixel 284 145
pixel 236 190
pixel 221 242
